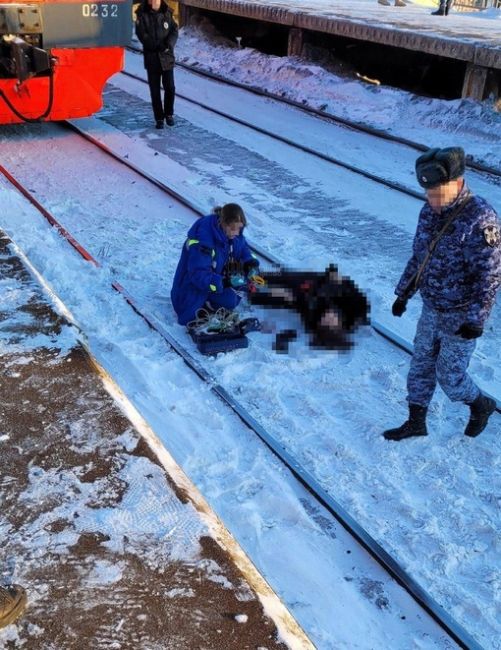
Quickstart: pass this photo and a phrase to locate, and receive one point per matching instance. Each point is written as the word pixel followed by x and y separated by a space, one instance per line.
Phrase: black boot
pixel 481 410
pixel 442 10
pixel 414 426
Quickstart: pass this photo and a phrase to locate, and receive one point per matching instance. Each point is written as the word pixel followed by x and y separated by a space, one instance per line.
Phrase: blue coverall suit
pixel 199 273
pixel 458 286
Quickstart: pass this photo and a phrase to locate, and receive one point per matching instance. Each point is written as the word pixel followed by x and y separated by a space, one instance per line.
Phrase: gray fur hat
pixel 438 166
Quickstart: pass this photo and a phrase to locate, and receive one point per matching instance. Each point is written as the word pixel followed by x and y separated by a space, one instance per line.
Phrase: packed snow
pixel 429 121
pixel 433 502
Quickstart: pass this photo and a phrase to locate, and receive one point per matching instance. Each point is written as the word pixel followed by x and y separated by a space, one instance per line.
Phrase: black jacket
pixel 157 31
pixel 311 294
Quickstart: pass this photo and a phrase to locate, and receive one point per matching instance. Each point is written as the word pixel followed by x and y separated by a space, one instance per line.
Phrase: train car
pixel 56 56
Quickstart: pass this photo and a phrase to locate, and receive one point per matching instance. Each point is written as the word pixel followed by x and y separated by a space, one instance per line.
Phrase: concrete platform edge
pixel 290 631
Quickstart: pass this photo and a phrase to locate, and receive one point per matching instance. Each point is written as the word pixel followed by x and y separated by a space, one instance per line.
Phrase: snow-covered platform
pixel 472 38
pixel 114 545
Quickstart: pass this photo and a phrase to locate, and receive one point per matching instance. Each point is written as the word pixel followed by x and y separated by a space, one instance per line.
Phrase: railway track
pixel 381 329
pixel 446 622
pixel 301 147
pixel 471 163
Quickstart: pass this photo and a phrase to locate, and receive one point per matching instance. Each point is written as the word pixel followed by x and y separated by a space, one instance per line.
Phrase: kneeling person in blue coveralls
pixel 456 265
pixel 203 278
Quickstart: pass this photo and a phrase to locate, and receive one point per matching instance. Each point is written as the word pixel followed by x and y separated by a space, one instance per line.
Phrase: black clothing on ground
pixel 283 339
pixel 312 294
pixel 158 32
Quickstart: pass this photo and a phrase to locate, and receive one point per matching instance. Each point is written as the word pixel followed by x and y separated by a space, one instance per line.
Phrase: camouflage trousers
pixel 440 355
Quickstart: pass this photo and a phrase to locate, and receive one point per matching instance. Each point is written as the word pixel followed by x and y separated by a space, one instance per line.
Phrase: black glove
pixel 469 331
pixel 249 265
pixel 398 307
pixel 226 281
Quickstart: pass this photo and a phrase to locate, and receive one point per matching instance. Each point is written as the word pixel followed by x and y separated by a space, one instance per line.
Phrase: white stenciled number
pixel 99 10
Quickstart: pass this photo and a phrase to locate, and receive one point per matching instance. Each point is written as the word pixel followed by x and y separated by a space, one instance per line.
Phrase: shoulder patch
pixel 492 235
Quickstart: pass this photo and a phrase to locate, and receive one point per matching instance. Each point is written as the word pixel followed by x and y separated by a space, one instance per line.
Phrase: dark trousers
pixel 167 78
pixel 445 6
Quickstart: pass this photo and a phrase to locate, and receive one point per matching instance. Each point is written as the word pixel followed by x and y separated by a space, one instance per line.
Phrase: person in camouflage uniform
pixel 458 283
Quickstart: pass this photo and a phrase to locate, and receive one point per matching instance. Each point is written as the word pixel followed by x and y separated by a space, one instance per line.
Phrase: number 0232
pixel 100 10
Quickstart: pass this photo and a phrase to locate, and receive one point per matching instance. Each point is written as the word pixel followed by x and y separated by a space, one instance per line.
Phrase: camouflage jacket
pixel 464 271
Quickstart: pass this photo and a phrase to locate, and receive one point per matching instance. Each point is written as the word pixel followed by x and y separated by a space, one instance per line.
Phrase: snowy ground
pixel 432 502
pixel 115 547
pixel 429 121
pixel 319 573
pixel 466 26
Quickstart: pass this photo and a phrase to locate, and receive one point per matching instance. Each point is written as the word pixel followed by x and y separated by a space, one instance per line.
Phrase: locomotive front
pixel 56 56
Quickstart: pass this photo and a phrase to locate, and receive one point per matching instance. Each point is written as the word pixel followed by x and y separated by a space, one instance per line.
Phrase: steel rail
pixel 331 117
pixel 297 145
pixel 456 631
pixel 378 327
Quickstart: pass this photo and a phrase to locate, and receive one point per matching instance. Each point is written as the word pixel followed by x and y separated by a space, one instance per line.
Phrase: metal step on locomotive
pixel 56 56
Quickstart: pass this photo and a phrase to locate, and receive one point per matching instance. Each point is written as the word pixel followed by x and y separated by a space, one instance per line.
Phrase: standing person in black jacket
pixel 157 31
